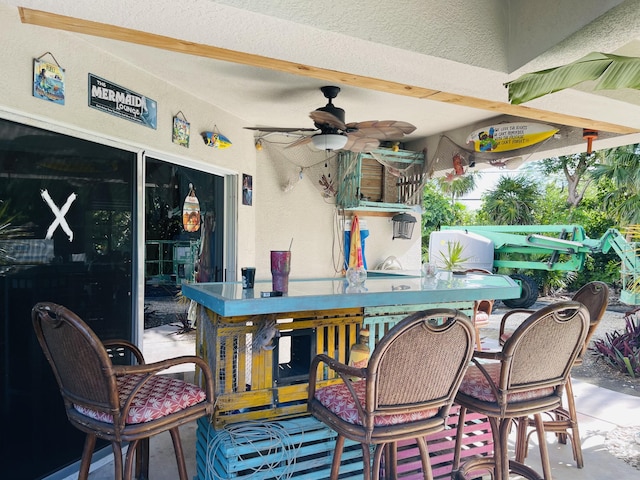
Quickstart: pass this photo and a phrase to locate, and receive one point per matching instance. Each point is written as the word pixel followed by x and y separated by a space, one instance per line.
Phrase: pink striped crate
pixel 477 441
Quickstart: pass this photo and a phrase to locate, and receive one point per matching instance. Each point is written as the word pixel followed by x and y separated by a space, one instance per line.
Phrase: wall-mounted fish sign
pixel 216 140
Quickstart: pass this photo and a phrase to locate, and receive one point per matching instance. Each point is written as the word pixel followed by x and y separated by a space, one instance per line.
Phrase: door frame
pixel 230 207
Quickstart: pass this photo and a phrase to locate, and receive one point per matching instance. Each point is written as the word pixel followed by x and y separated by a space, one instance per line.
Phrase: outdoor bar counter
pixel 259 379
pixel 315 316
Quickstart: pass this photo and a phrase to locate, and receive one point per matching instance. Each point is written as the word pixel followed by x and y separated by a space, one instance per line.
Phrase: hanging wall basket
pixel 191 211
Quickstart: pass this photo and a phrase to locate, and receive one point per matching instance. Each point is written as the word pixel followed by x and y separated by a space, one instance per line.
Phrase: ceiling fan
pixel 334 134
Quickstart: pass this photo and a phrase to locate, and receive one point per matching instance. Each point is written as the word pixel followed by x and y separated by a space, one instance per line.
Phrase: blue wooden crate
pixel 309 445
pixel 305 451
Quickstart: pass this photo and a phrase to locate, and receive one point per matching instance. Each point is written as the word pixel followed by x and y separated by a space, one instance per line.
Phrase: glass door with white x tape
pixel 66 236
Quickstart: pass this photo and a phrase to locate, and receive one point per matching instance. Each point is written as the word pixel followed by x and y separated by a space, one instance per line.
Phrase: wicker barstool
pixel 563 421
pixel 526 377
pixel 114 402
pixel 405 392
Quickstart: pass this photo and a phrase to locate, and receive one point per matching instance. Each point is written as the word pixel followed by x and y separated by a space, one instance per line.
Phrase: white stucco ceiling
pixel 463 47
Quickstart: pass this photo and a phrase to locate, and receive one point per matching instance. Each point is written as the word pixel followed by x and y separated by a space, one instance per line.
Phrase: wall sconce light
pixel 259 144
pixel 403 224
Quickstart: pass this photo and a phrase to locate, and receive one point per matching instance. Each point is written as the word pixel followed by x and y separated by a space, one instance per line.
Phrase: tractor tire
pixel 528 294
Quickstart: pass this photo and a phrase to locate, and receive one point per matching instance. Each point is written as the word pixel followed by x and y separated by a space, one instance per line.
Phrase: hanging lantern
pixel 403 224
pixel 191 211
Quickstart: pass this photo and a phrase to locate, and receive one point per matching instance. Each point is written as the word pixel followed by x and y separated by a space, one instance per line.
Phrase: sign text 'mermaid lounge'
pixel 122 102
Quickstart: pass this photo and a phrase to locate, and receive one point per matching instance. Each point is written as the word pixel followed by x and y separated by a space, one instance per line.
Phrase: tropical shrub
pixel 620 349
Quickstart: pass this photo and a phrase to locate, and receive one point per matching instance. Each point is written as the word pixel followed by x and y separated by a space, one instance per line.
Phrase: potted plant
pixel 453 260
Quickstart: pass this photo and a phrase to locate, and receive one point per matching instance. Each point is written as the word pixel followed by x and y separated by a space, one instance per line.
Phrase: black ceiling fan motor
pixel 331 92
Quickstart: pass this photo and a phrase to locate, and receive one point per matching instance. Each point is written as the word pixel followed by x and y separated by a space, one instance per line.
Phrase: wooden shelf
pixel 368 186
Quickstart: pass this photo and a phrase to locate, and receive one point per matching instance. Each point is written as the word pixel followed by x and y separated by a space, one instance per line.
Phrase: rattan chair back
pixel 594 296
pixel 80 363
pixel 419 363
pixel 543 348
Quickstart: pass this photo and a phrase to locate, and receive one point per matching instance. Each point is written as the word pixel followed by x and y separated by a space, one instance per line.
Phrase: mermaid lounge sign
pixel 122 102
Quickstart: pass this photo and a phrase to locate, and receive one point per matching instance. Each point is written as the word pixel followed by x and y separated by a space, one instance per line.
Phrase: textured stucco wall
pixel 22 43
pixel 275 216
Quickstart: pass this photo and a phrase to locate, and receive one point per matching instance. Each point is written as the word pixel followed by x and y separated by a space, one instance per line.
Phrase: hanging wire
pixel 183 115
pixel 271 449
pixel 54 59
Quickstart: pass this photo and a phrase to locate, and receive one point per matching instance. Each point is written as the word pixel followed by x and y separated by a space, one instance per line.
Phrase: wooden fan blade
pixel 381 133
pixel 300 141
pixel 282 130
pixel 358 144
pixel 405 127
pixel 325 118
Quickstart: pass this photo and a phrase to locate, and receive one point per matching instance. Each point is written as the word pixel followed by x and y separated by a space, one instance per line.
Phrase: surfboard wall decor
pixel 509 136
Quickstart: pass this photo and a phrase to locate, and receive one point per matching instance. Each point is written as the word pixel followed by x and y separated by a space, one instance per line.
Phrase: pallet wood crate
pixel 383 180
pixel 309 445
pixel 379 320
pixel 261 385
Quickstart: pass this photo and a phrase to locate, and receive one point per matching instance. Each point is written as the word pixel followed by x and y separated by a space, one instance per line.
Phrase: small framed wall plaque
pixel 48 80
pixel 181 130
pixel 247 189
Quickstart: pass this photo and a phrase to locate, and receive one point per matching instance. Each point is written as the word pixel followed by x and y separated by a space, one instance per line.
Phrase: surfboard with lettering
pixel 503 137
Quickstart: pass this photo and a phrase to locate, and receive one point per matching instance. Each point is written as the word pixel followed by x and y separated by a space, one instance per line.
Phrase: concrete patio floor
pixel 601 411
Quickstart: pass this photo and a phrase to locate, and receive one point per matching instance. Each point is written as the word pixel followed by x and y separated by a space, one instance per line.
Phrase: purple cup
pixel 280 267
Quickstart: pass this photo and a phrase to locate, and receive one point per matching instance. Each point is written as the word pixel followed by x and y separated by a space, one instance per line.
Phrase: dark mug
pixel 248 277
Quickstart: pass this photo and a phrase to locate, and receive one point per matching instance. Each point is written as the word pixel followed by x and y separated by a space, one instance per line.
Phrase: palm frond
pixel 611 71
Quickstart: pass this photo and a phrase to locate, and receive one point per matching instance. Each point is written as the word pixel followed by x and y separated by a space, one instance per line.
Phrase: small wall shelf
pixel 380 181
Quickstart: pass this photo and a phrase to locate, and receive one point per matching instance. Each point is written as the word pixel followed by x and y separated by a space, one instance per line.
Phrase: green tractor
pixel 551 247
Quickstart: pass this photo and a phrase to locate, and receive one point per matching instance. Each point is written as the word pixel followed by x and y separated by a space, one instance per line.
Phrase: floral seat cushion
pixel 337 399
pixel 481 319
pixel 476 385
pixel 159 397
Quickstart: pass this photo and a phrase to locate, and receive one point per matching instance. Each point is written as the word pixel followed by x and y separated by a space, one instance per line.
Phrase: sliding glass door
pixel 184 238
pixel 67 236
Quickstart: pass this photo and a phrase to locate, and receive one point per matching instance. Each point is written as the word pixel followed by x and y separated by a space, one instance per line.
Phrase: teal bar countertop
pixel 228 299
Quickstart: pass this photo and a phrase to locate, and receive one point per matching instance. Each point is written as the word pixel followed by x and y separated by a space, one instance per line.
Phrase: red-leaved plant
pixel 621 350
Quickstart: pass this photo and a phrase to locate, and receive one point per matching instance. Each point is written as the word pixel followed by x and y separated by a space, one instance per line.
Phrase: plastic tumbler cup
pixel 280 267
pixel 248 277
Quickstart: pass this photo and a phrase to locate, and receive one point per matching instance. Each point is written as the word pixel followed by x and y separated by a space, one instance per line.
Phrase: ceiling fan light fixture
pixel 329 141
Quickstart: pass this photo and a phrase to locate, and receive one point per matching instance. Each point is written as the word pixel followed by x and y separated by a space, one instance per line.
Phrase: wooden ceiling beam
pixel 86 27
